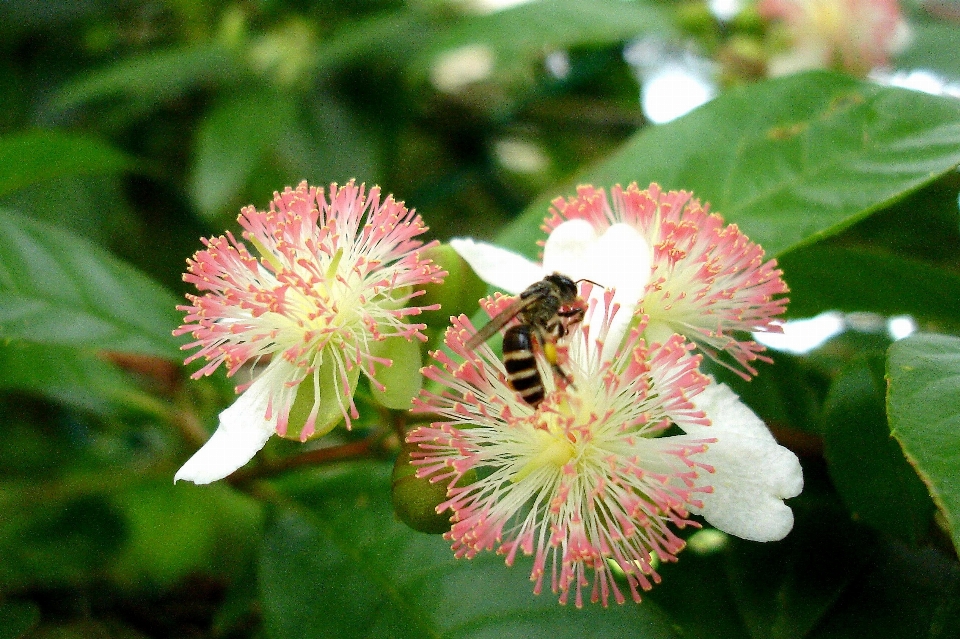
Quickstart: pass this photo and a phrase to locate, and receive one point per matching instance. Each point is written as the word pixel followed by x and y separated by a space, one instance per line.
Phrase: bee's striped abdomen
pixel 522 373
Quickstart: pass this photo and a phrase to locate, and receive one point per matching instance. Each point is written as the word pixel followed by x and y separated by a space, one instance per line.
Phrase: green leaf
pixel 902 593
pixel 70 376
pixel 520 34
pixel 37 156
pixel 83 196
pixel 905 228
pixel 329 143
pixel 781 591
pixel 791 161
pixel 18 618
pixel 59 541
pixel 56 288
pixel 923 404
pixel 341 566
pixel 384 34
pixel 84 627
pixel 176 530
pixel 402 379
pixel 826 277
pixel 866 464
pixel 153 77
pixel 696 593
pixel 232 139
pixel 869 339
pixel 136 531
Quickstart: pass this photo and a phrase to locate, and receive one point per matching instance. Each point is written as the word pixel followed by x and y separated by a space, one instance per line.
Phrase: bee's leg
pixel 562 374
pixel 549 348
pixel 574 314
pixel 569 317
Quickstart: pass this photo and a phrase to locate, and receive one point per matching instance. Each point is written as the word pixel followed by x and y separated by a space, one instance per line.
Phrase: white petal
pixel 497 266
pixel 619 326
pixel 621 256
pixel 753 473
pixel 620 259
pixel 242 432
pixel 566 248
pixel 729 415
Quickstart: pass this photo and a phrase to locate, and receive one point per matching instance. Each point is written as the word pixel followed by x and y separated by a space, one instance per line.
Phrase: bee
pixel 546 310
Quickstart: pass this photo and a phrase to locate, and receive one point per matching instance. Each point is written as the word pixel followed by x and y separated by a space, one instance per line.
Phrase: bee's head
pixel 566 287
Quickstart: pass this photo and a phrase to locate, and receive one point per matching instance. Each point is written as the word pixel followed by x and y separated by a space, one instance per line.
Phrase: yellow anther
pixel 554 451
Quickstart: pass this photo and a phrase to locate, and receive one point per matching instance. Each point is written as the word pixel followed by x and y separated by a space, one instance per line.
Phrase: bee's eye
pixel 566 286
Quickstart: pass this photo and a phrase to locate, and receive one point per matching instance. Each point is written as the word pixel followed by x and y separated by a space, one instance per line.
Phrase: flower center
pixel 553 449
pixel 559 436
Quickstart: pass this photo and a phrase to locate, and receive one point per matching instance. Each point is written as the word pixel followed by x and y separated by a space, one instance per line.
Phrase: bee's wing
pixel 499 320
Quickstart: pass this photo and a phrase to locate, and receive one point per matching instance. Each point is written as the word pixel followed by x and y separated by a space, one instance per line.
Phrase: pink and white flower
pixel 669 259
pixel 334 276
pixel 592 477
pixel 855 35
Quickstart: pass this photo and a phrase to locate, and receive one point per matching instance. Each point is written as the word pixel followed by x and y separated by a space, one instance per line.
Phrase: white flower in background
pixel 854 35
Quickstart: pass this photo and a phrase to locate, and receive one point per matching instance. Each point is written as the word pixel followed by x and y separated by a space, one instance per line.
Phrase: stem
pixel 803 444
pixel 352 450
pixel 397 421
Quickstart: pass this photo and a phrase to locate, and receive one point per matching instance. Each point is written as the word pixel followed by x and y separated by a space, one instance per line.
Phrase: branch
pixel 352 450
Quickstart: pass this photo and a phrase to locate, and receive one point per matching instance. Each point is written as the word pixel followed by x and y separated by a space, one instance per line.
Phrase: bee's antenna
pixel 583 279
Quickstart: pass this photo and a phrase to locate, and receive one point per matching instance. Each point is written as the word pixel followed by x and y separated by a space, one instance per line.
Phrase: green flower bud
pixel 459 292
pixel 401 380
pixel 332 396
pixel 415 500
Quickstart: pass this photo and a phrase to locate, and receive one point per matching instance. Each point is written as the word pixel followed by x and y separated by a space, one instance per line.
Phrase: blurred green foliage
pixel 131 129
